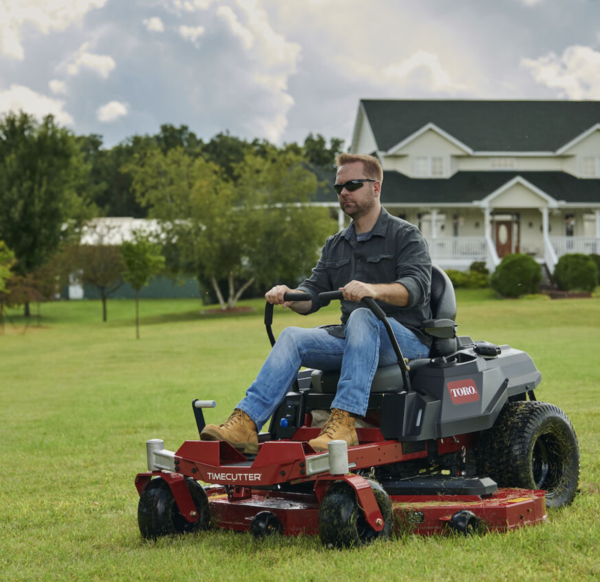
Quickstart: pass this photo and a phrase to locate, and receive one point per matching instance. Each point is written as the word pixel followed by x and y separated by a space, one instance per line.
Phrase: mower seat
pixel 442 328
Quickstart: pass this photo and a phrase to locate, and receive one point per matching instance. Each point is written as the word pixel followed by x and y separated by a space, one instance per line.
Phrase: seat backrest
pixel 443 299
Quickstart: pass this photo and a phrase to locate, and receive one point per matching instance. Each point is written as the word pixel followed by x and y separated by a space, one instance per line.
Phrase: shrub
pixel 517 275
pixel 576 272
pixel 596 259
pixel 468 280
pixel 479 267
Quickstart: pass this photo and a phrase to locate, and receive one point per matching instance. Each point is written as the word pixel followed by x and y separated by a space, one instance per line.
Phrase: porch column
pixel 434 214
pixel 341 216
pixel 488 223
pixel 597 223
pixel 545 222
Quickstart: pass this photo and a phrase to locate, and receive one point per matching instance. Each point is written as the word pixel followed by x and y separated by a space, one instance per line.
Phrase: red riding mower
pixel 455 442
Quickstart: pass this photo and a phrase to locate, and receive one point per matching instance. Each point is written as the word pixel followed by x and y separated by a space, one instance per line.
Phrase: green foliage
pixel 255 231
pixel 7 260
pixel 596 259
pixel 42 181
pixel 576 272
pixel 317 152
pixel 468 280
pixel 516 275
pixel 142 260
pixel 479 267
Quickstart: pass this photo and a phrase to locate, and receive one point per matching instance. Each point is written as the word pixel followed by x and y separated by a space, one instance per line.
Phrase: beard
pixel 358 208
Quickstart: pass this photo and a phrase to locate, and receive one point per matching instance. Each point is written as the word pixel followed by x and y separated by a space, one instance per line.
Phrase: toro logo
pixel 463 391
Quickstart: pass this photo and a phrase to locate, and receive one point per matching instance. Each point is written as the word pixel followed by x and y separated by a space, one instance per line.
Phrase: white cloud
pixel 532 2
pixel 236 27
pixel 23 98
pixel 576 73
pixel 57 87
pixel 111 111
pixel 191 33
pixel 192 5
pixel 154 24
pixel 44 15
pixel 440 79
pixel 100 64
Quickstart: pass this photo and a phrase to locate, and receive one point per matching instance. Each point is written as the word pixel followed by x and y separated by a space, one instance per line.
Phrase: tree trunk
pixel 137 314
pixel 26 309
pixel 103 307
pixel 218 293
pixel 235 297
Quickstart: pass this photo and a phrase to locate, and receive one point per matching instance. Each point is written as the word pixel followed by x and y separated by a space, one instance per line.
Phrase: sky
pixel 281 69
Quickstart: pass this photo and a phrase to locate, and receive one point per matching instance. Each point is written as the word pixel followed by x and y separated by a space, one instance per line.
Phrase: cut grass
pixel 79 398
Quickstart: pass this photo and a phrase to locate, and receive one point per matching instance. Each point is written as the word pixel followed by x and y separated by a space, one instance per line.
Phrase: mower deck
pixel 505 510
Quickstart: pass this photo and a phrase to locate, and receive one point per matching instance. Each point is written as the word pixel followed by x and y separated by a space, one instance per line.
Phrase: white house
pixel 483 179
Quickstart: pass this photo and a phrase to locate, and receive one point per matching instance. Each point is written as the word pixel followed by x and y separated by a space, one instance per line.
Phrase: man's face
pixel 360 202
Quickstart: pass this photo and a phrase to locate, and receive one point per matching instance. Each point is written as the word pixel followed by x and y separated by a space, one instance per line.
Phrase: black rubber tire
pixel 265 524
pixel 342 523
pixel 532 445
pixel 158 514
pixel 465 522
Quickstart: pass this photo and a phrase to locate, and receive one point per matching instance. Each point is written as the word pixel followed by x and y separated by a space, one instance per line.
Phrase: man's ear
pixel 377 189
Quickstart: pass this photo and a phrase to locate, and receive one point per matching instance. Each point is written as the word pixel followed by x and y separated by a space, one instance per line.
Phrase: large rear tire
pixel 532 446
pixel 158 514
pixel 342 523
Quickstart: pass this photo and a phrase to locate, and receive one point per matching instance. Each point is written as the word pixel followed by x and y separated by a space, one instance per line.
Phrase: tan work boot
pixel 239 431
pixel 339 426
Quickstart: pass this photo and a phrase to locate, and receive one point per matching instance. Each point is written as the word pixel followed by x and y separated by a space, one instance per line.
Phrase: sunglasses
pixel 351 185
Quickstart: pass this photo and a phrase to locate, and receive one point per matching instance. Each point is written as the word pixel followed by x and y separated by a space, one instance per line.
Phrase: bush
pixel 468 280
pixel 576 272
pixel 479 267
pixel 517 275
pixel 596 259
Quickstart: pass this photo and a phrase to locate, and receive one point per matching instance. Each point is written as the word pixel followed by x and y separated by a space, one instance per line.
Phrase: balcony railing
pixel 459 247
pixel 564 245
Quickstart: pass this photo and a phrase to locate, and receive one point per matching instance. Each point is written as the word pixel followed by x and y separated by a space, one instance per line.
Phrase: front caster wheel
pixel 265 524
pixel 342 523
pixel 465 522
pixel 158 514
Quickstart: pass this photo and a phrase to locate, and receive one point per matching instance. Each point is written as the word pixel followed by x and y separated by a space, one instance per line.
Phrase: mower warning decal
pixel 463 391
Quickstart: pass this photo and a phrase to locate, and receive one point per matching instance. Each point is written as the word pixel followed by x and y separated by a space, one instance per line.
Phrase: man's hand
pixel 356 290
pixel 275 297
pixel 392 293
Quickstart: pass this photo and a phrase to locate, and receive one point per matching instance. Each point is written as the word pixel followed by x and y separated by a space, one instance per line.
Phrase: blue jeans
pixel 365 347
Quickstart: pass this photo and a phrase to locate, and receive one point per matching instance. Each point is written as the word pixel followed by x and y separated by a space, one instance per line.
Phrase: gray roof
pixel 467 187
pixel 502 126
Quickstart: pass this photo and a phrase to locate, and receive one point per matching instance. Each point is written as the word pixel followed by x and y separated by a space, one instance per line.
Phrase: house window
pixel 503 163
pixel 590 167
pixel 569 224
pixel 428 166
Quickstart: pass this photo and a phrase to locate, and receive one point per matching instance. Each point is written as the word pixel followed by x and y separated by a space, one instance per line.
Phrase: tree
pixel 235 234
pixel 97 263
pixel 42 180
pixel 7 260
pixel 142 260
pixel 317 152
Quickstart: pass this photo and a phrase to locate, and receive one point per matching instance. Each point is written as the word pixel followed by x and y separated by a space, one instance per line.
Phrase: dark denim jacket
pixel 396 252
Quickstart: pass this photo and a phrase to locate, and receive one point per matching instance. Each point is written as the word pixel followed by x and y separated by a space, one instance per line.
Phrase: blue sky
pixel 279 69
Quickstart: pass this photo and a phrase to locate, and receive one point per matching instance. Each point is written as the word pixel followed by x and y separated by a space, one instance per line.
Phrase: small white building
pixel 483 179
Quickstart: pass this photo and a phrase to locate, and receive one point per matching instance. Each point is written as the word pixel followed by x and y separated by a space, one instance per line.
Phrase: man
pixel 377 256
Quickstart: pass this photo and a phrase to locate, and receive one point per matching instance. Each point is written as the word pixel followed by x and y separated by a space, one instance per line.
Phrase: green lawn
pixel 79 399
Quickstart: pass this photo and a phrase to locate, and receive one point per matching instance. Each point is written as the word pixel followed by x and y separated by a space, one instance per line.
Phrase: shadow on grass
pixel 183 316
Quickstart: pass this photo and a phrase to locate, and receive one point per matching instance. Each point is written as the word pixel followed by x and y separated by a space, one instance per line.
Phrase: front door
pixel 503 237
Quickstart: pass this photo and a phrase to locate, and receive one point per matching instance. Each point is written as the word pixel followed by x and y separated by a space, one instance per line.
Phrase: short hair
pixel 371 165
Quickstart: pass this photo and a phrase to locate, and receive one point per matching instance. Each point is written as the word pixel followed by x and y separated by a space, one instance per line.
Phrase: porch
pixel 461 251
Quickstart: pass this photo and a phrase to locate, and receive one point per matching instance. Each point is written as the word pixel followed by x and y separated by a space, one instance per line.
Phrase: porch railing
pixel 564 245
pixel 463 247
